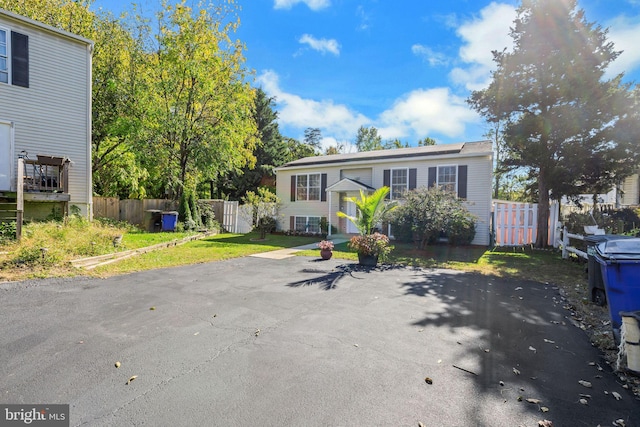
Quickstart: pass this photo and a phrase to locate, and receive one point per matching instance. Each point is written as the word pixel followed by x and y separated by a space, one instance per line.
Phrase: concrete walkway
pixel 289 252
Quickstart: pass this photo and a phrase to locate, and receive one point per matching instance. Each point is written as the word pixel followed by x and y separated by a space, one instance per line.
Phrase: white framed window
pixel 399 183
pixel 307 224
pixel 308 186
pixel 447 178
pixel 4 55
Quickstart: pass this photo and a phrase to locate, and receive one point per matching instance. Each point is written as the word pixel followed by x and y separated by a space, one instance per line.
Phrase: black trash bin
pixel 597 293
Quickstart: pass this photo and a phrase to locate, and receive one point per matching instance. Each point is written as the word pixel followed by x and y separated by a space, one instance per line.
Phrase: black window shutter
pixel 323 187
pixel 292 223
pixel 413 177
pixel 19 59
pixel 432 177
pixel 293 188
pixel 386 180
pixel 462 181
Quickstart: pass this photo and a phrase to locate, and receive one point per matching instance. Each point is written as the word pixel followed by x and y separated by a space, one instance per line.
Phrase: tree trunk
pixel 542 236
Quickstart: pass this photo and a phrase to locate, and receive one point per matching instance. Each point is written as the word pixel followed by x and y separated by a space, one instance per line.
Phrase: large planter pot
pixel 326 253
pixel 367 260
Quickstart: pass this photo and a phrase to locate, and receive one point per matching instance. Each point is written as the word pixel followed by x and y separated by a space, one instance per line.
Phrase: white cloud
pixel 433 58
pixel 321 45
pixel 365 18
pixel 480 36
pixel 425 112
pixel 334 120
pixel 313 4
pixel 624 34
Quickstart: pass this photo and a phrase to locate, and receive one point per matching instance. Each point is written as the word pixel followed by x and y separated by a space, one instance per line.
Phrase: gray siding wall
pixel 52 115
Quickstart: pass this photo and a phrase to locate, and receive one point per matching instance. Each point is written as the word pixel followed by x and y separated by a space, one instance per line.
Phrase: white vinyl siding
pixel 53 115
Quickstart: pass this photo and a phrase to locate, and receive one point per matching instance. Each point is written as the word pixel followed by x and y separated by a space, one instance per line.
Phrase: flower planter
pixel 367 260
pixel 326 253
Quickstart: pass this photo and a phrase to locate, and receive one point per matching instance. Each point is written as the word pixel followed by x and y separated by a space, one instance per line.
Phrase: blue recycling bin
pixel 619 261
pixel 169 221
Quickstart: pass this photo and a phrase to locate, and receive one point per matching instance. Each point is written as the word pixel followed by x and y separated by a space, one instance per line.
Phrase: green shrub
pixel 429 213
pixel 7 231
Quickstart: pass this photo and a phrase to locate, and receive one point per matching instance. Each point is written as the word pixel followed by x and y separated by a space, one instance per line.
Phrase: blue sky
pixel 404 66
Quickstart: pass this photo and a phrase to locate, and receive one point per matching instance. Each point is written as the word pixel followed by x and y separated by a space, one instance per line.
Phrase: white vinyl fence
pixel 516 224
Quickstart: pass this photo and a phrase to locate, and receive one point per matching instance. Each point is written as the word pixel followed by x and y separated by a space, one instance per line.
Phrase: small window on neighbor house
pixel 308 186
pixel 399 183
pixel 447 178
pixel 4 56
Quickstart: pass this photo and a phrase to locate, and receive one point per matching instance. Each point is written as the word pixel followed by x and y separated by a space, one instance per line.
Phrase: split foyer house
pixel 315 188
pixel 45 119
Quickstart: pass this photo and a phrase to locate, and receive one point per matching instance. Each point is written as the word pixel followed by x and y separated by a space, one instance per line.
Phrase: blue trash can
pixel 169 221
pixel 620 267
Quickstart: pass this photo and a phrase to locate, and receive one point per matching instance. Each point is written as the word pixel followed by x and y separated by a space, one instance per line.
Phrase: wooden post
pixel 19 197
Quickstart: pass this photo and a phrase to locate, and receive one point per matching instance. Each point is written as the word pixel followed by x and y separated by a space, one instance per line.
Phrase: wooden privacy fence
pixel 129 210
pixel 516 224
pixel 133 211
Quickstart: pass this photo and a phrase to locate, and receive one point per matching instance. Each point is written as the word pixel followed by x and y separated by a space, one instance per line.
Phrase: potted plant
pixel 370 211
pixel 370 248
pixel 326 249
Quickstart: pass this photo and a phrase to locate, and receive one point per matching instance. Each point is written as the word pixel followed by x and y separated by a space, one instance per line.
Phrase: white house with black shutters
pixel 314 188
pixel 45 118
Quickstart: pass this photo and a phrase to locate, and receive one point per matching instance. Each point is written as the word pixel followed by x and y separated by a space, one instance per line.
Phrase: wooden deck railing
pixel 46 174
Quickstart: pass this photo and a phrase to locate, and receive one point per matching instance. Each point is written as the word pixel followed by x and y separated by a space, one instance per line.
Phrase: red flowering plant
pixel 326 245
pixel 376 244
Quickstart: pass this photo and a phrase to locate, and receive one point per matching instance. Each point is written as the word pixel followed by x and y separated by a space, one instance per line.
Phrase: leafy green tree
pixel 298 150
pixel 198 111
pixel 396 143
pixel 368 139
pixel 270 151
pixel 371 210
pixel 264 210
pixel 313 138
pixel 426 142
pixel 560 113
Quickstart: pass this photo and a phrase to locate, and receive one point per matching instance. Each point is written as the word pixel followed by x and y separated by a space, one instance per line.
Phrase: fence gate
pixel 516 224
pixel 230 217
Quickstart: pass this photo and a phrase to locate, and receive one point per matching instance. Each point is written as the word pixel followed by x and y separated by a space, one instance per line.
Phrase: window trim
pixel 308 187
pixel 457 176
pixel 7 32
pixel 391 170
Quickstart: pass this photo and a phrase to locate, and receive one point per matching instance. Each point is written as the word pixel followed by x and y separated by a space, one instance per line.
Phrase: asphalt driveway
pixel 302 342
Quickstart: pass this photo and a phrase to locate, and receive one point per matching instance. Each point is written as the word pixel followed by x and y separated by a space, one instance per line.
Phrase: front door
pixel 6 156
pixel 351 211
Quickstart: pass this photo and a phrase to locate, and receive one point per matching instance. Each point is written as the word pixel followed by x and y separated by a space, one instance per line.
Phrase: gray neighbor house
pixel 45 120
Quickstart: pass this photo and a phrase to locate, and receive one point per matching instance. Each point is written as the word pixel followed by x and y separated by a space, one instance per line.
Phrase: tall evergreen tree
pixel 560 113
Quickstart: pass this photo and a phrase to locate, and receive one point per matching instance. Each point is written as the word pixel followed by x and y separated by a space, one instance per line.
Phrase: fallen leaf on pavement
pixel 545 423
pixel 544 409
pixel 585 383
pixel 428 380
pixel 531 400
pixel 532 348
pixel 117 364
pixel 584 401
pixel 616 395
pixel 133 377
pixel 152 308
pixel 516 371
